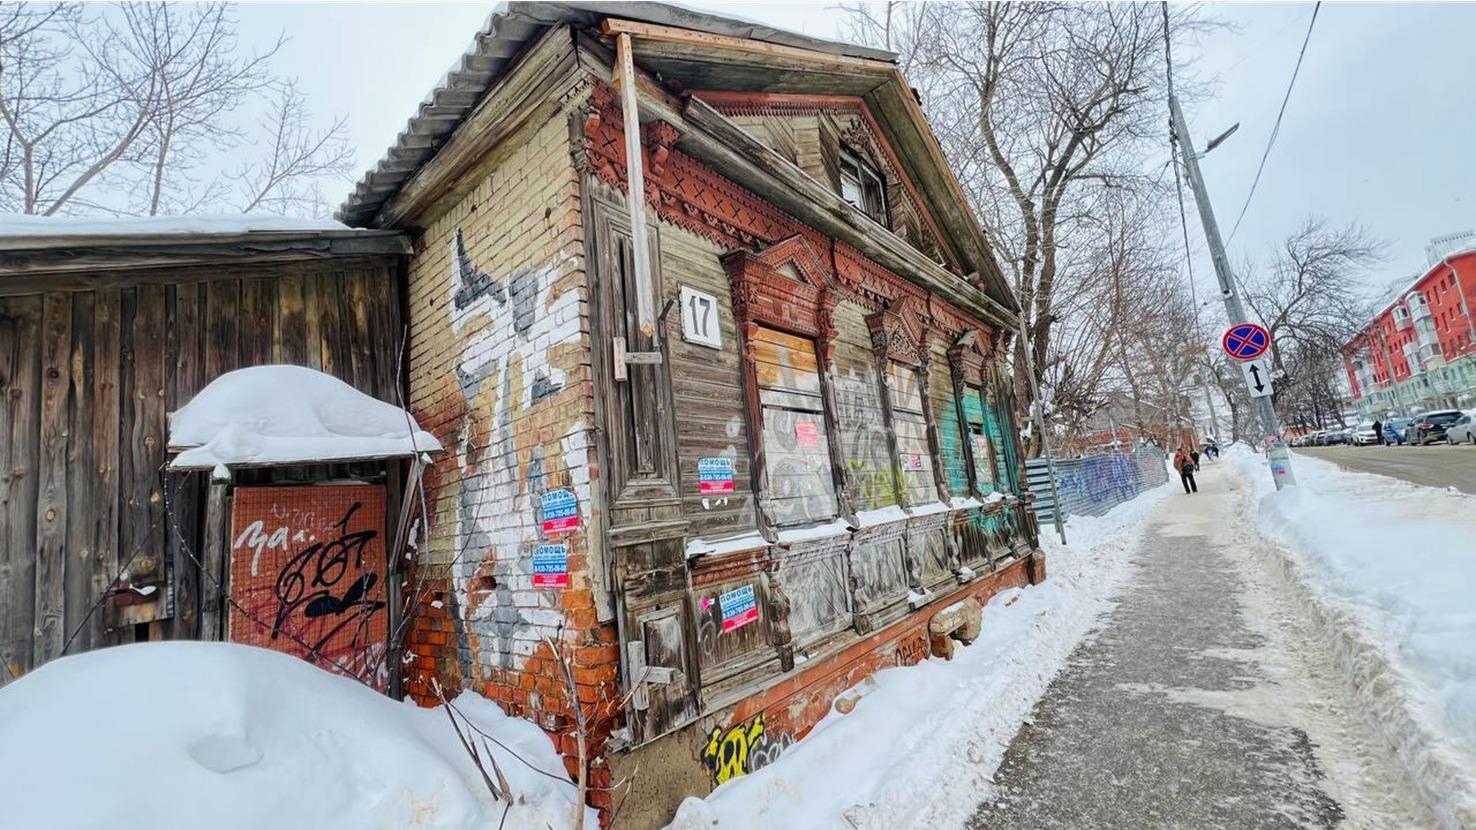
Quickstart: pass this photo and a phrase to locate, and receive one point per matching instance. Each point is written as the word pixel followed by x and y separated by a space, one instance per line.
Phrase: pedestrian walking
pixel 1379 432
pixel 1184 463
pixel 1194 454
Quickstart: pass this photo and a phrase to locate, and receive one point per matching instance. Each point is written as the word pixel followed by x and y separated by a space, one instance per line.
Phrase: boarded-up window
pixel 979 437
pixel 796 443
pixel 997 424
pixel 913 457
pixel 858 413
pixel 951 436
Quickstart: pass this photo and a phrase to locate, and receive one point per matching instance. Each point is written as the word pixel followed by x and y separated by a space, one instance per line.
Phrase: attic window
pixel 861 185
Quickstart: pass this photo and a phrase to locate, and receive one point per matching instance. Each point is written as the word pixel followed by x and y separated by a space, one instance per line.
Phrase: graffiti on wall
pixel 741 749
pixel 864 437
pixel 307 575
pixel 509 329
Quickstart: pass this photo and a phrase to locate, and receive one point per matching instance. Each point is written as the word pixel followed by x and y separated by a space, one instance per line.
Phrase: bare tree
pixel 1041 108
pixel 201 79
pixel 295 158
pixel 1312 300
pixel 130 109
pixel 73 104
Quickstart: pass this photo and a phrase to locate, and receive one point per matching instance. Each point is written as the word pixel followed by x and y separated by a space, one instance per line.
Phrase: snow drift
pixel 920 748
pixel 1388 570
pixel 286 415
pixel 183 735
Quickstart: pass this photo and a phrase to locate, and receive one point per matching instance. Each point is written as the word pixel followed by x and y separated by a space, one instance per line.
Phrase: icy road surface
pixel 1203 701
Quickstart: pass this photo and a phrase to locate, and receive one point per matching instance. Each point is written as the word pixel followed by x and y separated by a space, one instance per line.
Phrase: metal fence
pixel 1093 485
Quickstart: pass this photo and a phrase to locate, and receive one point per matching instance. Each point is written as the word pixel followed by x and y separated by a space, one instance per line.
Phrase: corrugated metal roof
pixel 508 29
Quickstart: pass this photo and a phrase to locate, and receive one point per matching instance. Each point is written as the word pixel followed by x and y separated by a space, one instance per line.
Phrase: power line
pixel 1275 128
pixel 1168 63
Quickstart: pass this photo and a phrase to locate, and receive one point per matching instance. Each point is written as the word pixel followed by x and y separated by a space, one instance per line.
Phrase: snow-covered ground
pixel 180 736
pixel 1389 571
pixel 922 743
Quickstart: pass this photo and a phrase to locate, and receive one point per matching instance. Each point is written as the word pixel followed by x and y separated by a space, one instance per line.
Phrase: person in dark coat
pixel 1185 465
pixel 1194 454
pixel 1378 427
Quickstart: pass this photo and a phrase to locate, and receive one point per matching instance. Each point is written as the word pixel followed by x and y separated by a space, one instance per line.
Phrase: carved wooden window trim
pixel 966 364
pixel 786 287
pixel 899 335
pixel 867 179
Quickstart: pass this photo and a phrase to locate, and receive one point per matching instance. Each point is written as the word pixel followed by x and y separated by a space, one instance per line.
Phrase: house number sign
pixel 700 322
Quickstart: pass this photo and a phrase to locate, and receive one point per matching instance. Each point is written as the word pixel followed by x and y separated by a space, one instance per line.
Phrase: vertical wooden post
pixel 217 577
pixel 51 549
pixel 635 195
pixel 394 588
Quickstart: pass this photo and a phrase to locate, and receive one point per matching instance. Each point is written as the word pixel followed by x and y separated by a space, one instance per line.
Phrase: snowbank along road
pixel 1435 466
pixel 1202 701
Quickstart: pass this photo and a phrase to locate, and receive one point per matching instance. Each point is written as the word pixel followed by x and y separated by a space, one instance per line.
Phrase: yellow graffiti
pixel 729 754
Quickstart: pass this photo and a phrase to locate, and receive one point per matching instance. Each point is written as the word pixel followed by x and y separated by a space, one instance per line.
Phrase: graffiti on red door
pixel 307 575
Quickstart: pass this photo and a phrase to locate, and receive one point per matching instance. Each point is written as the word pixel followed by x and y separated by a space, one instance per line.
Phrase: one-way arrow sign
pixel 1257 377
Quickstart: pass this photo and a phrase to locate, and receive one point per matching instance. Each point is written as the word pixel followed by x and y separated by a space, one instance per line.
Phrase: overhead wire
pixel 1276 127
pixel 1168 61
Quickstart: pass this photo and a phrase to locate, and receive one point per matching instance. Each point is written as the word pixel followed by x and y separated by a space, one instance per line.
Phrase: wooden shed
pixel 105 328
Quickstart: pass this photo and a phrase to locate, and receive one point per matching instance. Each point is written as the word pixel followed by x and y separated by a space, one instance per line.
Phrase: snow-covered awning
pixel 275 415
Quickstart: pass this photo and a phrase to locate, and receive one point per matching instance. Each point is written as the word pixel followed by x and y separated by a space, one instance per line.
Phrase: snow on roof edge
pixel 25 225
pixel 282 415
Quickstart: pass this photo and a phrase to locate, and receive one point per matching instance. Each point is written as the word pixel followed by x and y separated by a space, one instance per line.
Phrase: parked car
pixel 1364 435
pixel 1430 426
pixel 1334 437
pixel 1394 430
pixel 1463 431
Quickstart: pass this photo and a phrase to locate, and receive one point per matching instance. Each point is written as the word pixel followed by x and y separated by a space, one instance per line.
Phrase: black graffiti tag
pixel 310 580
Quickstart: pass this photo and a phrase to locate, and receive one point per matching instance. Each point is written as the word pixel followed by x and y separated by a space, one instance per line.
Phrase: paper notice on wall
pixel 714 476
pixel 807 433
pixel 912 461
pixel 560 511
pixel 551 566
pixel 738 607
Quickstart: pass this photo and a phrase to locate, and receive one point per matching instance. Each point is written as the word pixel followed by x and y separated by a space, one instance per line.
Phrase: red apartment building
pixel 1420 351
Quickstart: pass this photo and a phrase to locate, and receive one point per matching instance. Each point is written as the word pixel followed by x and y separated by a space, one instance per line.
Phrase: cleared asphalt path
pixel 1201 702
pixel 1437 465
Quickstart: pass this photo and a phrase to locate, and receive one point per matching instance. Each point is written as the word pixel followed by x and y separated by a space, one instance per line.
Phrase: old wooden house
pixel 106 327
pixel 714 343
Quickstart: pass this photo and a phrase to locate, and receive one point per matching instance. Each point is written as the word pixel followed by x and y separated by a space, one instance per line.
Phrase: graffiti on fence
pixel 1093 485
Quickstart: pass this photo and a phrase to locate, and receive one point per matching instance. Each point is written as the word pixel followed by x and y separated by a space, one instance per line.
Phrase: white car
pixel 1363 435
pixel 1463 431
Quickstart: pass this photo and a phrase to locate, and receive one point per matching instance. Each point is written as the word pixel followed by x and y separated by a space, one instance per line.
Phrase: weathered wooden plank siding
pixel 707 388
pixel 20 322
pixel 51 502
pixel 86 380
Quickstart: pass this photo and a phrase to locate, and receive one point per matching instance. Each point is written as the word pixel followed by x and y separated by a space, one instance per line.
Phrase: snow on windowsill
pixel 288 415
pixel 880 516
pixel 731 544
pixel 969 503
pixel 929 509
pixel 806 534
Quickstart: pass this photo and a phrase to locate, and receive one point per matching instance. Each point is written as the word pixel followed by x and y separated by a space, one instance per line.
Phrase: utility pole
pixel 1276 451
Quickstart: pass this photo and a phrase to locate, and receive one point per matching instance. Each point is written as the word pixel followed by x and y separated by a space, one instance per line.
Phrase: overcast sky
pixel 1379 130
